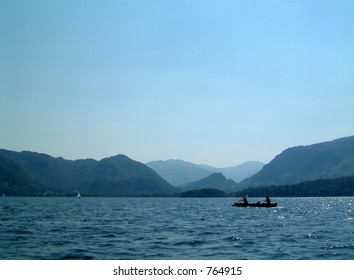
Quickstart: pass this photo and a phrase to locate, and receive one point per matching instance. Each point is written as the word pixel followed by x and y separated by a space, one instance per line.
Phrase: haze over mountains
pixel 31 173
pixel 327 160
pixel 180 173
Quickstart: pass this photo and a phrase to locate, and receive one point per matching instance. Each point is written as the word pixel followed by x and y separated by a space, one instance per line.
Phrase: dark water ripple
pixel 174 228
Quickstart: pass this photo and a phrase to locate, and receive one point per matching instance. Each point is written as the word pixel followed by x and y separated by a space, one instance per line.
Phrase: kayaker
pixel 267 200
pixel 245 201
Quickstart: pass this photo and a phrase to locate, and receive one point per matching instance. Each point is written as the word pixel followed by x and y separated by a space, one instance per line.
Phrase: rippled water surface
pixel 175 228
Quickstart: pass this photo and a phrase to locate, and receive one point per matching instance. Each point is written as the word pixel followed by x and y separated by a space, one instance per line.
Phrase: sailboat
pixel 78 195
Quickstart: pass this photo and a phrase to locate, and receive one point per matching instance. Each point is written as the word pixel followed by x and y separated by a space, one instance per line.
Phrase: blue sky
pixel 214 82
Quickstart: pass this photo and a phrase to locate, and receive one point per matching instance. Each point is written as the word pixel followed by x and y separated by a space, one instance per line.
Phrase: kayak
pixel 266 205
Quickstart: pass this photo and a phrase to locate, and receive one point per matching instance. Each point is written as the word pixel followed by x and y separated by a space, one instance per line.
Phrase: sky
pixel 212 82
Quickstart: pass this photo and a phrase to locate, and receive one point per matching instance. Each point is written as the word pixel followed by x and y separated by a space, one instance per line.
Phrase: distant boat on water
pixel 78 195
pixel 3 194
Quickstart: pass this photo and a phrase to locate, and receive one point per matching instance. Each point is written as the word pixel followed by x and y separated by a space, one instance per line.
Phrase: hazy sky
pixel 214 82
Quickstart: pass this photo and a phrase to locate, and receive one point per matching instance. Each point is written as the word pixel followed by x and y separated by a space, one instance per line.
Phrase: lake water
pixel 175 228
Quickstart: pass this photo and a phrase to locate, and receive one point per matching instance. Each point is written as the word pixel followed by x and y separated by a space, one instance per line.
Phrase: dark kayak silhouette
pixel 258 204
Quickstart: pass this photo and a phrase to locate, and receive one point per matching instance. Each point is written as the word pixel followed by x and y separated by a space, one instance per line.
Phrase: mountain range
pixel 31 173
pixel 180 173
pixel 327 160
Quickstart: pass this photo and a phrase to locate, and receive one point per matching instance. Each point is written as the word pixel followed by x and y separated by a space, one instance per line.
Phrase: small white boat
pixel 78 195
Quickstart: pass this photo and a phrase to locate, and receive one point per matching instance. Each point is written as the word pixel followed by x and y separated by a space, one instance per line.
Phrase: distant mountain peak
pixel 181 173
pixel 214 181
pixel 216 176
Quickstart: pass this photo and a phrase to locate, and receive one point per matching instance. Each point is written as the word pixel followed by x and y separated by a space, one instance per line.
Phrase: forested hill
pixel 117 175
pixel 318 188
pixel 214 181
pixel 326 160
pixel 324 187
pixel 15 181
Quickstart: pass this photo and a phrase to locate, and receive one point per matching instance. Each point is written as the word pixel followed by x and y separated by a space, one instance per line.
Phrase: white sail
pixel 78 195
